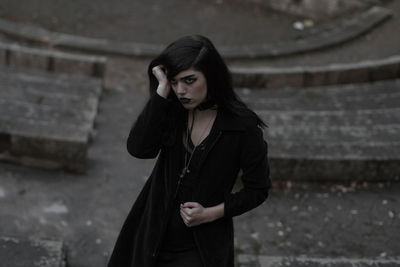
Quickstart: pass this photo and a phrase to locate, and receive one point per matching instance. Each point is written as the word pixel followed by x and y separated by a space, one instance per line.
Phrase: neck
pixel 201 116
pixel 202 113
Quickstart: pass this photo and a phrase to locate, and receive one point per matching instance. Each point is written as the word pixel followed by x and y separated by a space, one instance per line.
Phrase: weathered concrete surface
pixel 16 252
pixel 337 33
pixel 271 261
pixel 48 59
pixel 318 9
pixel 305 76
pixel 47 119
pixel 340 132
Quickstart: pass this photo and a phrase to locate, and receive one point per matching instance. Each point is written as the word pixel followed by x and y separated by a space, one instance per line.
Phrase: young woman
pixel 203 136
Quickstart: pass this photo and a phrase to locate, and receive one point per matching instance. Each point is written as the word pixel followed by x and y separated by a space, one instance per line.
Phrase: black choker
pixel 205 105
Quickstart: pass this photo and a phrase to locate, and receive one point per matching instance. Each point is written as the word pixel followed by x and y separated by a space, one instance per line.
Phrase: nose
pixel 180 89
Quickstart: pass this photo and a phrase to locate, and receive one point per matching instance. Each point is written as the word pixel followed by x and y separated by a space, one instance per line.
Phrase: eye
pixel 190 80
pixel 173 82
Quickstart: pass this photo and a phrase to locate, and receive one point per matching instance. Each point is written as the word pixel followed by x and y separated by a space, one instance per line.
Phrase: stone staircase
pixel 48 104
pixel 273 261
pixel 339 132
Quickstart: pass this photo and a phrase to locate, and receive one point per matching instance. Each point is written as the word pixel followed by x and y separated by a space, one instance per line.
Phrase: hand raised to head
pixel 164 87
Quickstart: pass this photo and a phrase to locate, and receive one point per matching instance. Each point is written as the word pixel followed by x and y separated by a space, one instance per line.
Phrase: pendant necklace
pixel 185 169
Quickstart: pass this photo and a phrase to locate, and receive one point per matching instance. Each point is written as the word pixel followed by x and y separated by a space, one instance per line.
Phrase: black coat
pixel 236 144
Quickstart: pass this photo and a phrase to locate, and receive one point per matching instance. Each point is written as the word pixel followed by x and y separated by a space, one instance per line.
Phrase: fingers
pixel 190 205
pixel 191 213
pixel 159 72
pixel 163 88
pixel 188 220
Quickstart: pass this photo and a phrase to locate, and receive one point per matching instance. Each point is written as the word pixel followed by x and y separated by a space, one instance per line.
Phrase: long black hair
pixel 197 52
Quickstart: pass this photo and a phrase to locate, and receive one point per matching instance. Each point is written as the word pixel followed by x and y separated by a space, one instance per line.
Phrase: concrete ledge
pixel 340 170
pixel 47 119
pixel 335 133
pixel 245 260
pixel 50 60
pixel 298 77
pixel 32 252
pixel 338 33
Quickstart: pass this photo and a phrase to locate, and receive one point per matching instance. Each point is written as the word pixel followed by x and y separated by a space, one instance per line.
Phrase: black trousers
pixel 188 258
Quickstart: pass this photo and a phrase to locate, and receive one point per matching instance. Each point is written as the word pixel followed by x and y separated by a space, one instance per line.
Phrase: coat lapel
pixel 223 123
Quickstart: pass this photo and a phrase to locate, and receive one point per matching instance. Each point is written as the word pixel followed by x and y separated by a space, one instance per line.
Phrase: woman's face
pixel 190 87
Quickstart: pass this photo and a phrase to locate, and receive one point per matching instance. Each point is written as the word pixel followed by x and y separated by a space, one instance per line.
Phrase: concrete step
pixel 67 112
pixel 307 76
pixel 323 150
pixel 365 96
pixel 245 260
pixel 334 133
pixel 338 90
pixel 349 132
pixel 312 118
pixel 47 59
pixel 35 96
pixel 16 252
pixel 71 85
pixel 46 119
pixel 320 102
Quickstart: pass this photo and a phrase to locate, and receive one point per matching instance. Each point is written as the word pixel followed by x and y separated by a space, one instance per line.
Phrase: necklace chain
pixel 185 169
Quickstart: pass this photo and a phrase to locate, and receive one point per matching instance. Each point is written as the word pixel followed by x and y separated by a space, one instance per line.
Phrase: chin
pixel 189 106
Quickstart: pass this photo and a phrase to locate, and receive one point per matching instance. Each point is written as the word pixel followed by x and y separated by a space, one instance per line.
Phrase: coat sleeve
pixel 255 175
pixel 146 135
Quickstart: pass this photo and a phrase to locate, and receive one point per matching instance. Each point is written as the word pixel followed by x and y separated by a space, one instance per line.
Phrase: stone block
pixel 5 141
pixel 31 252
pixel 300 261
pixel 79 64
pixel 99 69
pixel 386 72
pixel 19 58
pixel 48 149
pixel 49 154
pixel 279 80
pixel 361 75
pixel 73 66
pixel 3 57
pixel 47 118
pixel 251 80
pixel 50 60
pixel 314 78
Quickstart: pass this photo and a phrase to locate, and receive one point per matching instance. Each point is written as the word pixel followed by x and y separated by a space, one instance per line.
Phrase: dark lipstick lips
pixel 184 100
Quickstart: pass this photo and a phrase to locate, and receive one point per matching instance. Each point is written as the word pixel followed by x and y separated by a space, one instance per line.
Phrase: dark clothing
pixel 236 144
pixel 178 236
pixel 187 258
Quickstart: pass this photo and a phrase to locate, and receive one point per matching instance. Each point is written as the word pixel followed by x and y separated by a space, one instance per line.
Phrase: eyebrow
pixel 187 76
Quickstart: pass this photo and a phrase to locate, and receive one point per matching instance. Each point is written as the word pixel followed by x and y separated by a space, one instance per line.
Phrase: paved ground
pixel 153 21
pixel 225 22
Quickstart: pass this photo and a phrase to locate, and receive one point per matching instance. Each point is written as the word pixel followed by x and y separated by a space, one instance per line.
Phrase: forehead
pixel 188 72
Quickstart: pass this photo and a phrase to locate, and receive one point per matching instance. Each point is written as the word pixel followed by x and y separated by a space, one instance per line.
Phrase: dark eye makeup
pixel 190 80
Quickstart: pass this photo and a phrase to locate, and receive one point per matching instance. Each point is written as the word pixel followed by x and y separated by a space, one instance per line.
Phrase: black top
pixel 178 236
